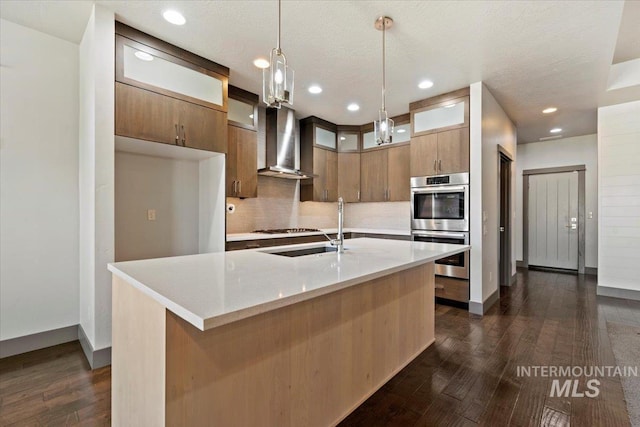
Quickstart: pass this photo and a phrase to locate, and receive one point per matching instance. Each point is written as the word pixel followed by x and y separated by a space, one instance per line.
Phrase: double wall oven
pixel 440 214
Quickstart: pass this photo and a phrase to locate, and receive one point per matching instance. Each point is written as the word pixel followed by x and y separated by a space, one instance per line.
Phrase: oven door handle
pixel 423 190
pixel 443 234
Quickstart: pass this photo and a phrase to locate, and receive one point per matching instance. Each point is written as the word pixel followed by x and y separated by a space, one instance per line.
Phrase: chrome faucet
pixel 340 236
pixel 339 240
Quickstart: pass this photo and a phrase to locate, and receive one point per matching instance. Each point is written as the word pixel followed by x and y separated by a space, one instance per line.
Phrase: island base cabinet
pixel 306 364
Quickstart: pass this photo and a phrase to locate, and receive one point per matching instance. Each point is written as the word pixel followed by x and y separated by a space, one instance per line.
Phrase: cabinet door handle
pixel 358 195
pixel 239 187
pixel 177 135
pixel 235 187
pixel 435 165
pixel 440 165
pixel 184 137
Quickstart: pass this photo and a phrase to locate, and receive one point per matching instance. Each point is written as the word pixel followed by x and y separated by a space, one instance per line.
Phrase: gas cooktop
pixel 287 230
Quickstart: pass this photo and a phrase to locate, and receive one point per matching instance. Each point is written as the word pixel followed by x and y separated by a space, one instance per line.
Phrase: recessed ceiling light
pixel 315 89
pixel 401 130
pixel 342 138
pixel 261 63
pixel 353 107
pixel 425 84
pixel 143 56
pixel 549 110
pixel 556 130
pixel 174 17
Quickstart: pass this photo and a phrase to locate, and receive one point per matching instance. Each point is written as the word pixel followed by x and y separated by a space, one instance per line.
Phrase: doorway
pixel 553 227
pixel 504 183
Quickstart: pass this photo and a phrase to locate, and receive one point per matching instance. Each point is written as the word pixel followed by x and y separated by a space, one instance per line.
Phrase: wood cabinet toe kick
pixel 310 363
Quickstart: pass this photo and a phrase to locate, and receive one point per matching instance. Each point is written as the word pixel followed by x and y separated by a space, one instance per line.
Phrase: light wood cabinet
pixel 349 176
pixel 398 178
pixel 325 184
pixel 373 175
pixel 242 154
pixel 168 95
pixel 317 154
pixel 384 174
pixel 242 163
pixel 146 115
pixel 440 153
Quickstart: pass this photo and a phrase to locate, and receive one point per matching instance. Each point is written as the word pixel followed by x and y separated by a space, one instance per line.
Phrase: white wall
pixel 579 150
pixel 619 197
pixel 38 182
pixel 490 127
pixel 97 64
pixel 169 186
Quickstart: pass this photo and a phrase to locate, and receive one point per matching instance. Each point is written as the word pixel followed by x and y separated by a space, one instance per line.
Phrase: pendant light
pixel 277 79
pixel 383 127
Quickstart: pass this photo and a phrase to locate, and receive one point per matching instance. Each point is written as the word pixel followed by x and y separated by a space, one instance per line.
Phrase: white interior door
pixel 553 220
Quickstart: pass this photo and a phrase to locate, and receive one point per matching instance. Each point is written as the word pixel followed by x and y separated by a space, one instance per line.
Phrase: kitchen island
pixel 255 338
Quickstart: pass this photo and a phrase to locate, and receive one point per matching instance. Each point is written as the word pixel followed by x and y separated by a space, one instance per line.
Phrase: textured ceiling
pixel 531 54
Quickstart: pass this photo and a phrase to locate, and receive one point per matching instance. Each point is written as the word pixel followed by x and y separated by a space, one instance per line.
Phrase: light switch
pixel 151 215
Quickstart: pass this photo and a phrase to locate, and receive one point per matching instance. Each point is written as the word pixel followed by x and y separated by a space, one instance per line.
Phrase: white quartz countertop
pixel 237 237
pixel 210 290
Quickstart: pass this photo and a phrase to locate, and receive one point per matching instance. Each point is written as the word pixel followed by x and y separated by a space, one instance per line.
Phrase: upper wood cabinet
pixel 440 129
pixel 318 143
pixel 146 115
pixel 242 154
pixel 349 176
pixel 242 163
pixel 440 153
pixel 398 177
pixel 384 174
pixel 166 94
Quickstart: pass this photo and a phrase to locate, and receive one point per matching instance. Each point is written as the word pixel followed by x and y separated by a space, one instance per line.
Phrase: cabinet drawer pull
pixel 253 245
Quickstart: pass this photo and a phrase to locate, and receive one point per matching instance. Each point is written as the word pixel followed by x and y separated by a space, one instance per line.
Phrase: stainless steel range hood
pixel 281 136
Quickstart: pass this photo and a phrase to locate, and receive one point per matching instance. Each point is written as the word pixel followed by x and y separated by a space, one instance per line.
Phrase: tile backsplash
pixel 278 206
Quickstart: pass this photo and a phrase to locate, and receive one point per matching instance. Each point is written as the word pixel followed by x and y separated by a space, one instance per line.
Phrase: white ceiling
pixel 531 54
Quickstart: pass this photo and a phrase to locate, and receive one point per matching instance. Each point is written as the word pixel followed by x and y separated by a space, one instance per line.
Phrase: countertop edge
pixel 204 324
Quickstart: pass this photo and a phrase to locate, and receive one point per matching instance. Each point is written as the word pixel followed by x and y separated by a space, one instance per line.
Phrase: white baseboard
pixel 96 358
pixel 37 341
pixel 606 291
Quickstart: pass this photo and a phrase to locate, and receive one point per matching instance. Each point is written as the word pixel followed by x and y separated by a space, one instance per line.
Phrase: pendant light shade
pixel 277 79
pixel 383 127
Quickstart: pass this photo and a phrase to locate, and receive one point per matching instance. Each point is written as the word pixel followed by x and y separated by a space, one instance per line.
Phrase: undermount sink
pixel 306 251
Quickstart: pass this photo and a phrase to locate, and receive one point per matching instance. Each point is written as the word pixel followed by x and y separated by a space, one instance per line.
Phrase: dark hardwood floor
pixel 468 377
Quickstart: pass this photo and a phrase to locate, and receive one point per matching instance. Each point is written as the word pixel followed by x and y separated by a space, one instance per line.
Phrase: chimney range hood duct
pixel 281 138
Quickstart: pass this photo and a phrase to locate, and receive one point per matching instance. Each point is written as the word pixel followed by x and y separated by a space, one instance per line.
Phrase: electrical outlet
pixel 151 215
pixel 590 215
